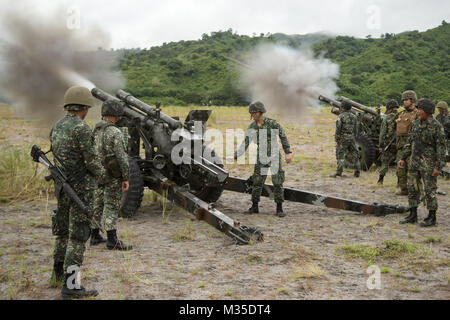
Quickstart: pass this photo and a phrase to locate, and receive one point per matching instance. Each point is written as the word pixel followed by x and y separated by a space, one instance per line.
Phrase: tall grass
pixel 21 179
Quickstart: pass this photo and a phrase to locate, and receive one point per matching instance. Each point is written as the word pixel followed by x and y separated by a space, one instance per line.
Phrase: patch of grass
pixel 228 293
pixel 308 271
pixel 187 233
pixel 201 285
pixel 433 240
pixel 20 177
pixel 415 289
pixel 212 296
pixel 284 291
pixel 363 251
pixel 386 270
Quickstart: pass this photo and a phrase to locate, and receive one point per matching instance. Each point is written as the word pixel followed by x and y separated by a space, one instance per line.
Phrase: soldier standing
pixel 387 134
pixel 111 148
pixel 425 148
pixel 71 140
pixel 404 122
pixel 345 136
pixel 264 131
pixel 444 119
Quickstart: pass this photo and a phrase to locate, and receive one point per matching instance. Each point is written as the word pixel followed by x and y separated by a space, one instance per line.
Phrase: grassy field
pixel 313 253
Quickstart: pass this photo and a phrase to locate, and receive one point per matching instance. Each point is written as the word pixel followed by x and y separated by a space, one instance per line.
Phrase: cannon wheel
pixel 367 151
pixel 131 201
pixel 208 194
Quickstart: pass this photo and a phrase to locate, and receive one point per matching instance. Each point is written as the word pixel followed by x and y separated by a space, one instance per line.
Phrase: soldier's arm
pixel 441 148
pixel 84 137
pixel 120 151
pixel 244 145
pixel 284 140
pixel 383 132
pixel 338 129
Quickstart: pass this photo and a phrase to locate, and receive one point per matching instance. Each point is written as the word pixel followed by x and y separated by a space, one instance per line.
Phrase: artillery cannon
pixel 199 179
pixel 369 127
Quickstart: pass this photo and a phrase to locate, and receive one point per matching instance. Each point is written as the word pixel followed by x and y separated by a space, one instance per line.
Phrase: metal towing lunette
pixel 196 186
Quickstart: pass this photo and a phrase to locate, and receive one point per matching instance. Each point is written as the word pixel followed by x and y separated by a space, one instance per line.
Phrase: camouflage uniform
pixel 110 145
pixel 387 133
pixel 71 140
pixel 260 170
pixel 426 149
pixel 346 130
pixel 444 120
pixel 99 193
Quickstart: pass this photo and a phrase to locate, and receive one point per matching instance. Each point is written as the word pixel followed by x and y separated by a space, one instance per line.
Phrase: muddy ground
pixel 312 253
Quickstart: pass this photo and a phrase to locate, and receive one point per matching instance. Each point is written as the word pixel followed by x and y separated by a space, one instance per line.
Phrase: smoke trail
pixel 40 58
pixel 287 80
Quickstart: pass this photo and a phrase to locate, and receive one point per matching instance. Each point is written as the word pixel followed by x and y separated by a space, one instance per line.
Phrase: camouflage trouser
pixel 71 226
pixel 402 175
pixel 346 149
pixel 430 189
pixel 386 159
pixel 97 214
pixel 112 199
pixel 259 179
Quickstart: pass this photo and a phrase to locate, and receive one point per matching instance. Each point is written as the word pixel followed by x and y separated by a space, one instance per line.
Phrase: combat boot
pixel 57 275
pixel 74 293
pixel 412 218
pixel 253 209
pixel 380 179
pixel 280 212
pixel 96 237
pixel 337 174
pixel 115 244
pixel 430 220
pixel 356 174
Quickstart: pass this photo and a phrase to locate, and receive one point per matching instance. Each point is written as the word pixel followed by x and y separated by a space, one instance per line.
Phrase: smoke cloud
pixel 287 80
pixel 40 58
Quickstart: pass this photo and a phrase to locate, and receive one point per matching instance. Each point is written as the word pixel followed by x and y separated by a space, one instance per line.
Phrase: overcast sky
pixel 140 23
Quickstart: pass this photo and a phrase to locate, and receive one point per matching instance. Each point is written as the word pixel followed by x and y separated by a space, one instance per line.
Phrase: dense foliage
pixel 372 70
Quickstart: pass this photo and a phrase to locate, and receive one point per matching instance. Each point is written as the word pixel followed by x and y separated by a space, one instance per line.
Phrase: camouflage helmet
pixel 409 94
pixel 346 105
pixel 78 98
pixel 112 108
pixel 257 106
pixel 442 105
pixel 392 104
pixel 426 105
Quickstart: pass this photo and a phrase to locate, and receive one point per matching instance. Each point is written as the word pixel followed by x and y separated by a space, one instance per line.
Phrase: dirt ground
pixel 312 253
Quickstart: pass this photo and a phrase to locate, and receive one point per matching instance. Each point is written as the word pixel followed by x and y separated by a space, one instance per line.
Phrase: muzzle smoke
pixel 287 80
pixel 40 58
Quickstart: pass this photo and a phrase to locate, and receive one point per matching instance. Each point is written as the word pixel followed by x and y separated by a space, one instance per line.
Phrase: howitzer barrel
pixel 335 105
pixel 129 99
pixel 359 106
pixel 133 114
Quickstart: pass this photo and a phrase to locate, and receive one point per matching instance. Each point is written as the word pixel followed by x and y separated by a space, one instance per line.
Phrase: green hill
pixel 372 70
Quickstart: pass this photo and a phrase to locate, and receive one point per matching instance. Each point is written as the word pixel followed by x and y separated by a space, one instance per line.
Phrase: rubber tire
pixel 210 194
pixel 132 200
pixel 367 151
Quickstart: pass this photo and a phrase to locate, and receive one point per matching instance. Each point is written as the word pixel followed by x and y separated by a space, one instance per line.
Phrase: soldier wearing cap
pixel 71 140
pixel 444 118
pixel 345 136
pixel 111 147
pixel 387 133
pixel 264 132
pixel 425 147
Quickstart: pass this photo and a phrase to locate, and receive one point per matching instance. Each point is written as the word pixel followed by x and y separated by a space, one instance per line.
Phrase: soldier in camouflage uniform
pixel 346 131
pixel 444 119
pixel 98 195
pixel 403 124
pixel 426 149
pixel 387 134
pixel 112 150
pixel 71 140
pixel 259 129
